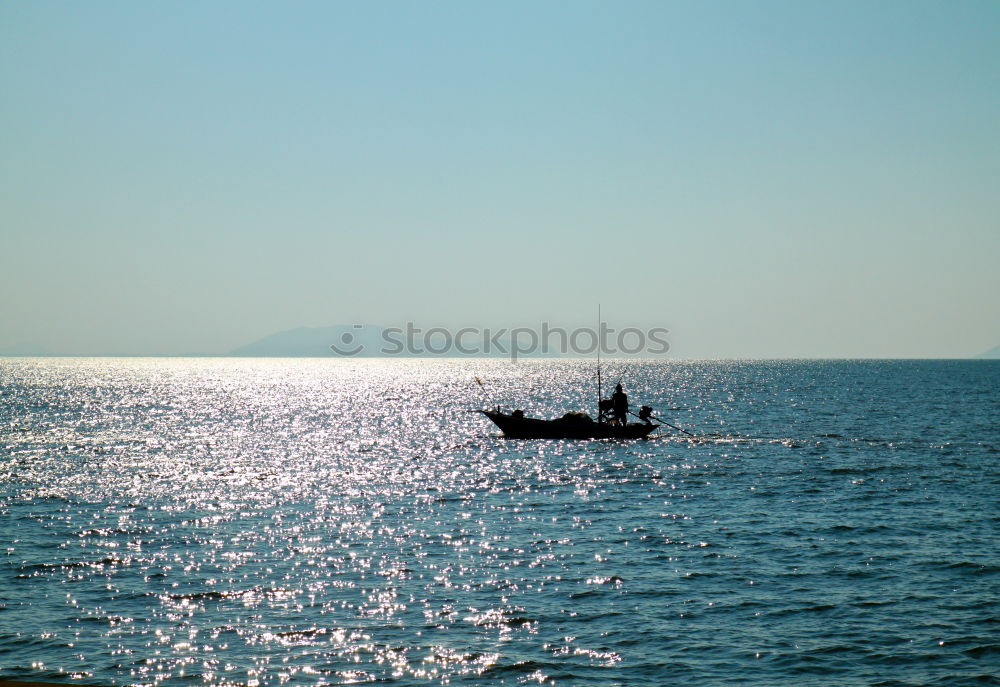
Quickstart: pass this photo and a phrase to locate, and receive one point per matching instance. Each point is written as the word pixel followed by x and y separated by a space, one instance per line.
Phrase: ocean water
pixel 306 522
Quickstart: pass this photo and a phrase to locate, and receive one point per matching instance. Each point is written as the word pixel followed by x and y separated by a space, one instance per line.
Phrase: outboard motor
pixel 645 412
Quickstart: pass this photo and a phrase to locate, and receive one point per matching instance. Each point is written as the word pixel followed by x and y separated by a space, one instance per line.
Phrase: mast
pixel 597 335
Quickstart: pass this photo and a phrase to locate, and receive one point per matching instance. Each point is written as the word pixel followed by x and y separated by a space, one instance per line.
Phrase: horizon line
pixel 473 357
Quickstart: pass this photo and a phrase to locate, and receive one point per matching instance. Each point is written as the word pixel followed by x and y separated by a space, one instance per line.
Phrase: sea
pixel 263 522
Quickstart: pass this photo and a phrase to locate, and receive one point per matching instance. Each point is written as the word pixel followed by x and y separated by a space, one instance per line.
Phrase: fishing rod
pixel 661 420
pixel 492 396
pixel 628 369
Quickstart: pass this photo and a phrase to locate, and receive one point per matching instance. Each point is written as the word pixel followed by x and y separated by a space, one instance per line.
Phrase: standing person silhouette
pixel 619 405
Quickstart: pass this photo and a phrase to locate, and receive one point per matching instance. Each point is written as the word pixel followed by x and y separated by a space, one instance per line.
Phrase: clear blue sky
pixel 763 178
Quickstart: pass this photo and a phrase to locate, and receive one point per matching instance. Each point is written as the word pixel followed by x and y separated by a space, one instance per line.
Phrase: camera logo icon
pixel 348 346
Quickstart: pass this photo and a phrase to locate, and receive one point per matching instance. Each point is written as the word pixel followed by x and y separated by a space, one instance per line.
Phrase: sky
pixel 764 179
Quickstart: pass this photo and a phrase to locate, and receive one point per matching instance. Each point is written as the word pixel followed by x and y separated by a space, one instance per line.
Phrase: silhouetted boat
pixel 569 426
pixel 577 425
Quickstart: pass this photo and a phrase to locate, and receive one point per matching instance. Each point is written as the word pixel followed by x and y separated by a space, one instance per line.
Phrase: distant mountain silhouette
pixel 992 354
pixel 358 340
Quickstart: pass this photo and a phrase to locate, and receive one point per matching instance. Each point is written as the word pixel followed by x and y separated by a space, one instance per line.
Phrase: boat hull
pixel 533 428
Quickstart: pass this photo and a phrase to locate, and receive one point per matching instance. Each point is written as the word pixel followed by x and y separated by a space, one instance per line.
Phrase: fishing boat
pixel 577 425
pixel 570 426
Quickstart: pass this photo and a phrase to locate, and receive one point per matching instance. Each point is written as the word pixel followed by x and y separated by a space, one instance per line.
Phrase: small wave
pixel 496 618
pixel 874 604
pixel 97 564
pixel 232 594
pixel 864 469
pixel 521 667
pixel 106 619
pixel 818 608
pixel 698 574
pixel 52 495
pixel 860 529
pixel 984 650
pixel 967 566
pixel 311 632
pixel 964 679
pixel 109 532
pixel 834 650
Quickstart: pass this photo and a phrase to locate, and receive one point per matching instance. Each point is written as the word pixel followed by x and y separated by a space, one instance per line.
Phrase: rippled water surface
pixel 260 522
